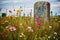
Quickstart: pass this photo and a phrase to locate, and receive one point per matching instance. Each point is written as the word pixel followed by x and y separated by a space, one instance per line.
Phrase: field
pixel 24 28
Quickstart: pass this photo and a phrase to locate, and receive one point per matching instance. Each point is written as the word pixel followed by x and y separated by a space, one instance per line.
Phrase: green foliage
pixel 44 32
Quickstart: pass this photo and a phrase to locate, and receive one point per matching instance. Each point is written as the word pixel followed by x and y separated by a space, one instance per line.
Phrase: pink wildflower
pixel 31 30
pixel 12 28
pixel 36 19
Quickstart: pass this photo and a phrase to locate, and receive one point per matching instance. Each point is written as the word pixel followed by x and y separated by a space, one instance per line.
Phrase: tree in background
pixel 3 14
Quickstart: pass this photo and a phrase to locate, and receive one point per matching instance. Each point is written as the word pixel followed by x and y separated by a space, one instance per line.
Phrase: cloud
pixel 55 4
pixel 15 1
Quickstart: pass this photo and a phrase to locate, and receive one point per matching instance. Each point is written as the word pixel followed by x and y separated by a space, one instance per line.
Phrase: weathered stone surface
pixel 42 10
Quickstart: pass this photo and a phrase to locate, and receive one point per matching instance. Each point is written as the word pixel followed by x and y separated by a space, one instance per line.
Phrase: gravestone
pixel 42 11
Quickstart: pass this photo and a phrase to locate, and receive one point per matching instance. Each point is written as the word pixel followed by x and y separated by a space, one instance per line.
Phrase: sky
pixel 27 5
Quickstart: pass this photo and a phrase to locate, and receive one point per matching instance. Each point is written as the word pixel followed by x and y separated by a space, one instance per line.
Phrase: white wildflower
pixel 55 33
pixel 50 26
pixel 49 36
pixel 7 27
pixel 29 27
pixel 21 36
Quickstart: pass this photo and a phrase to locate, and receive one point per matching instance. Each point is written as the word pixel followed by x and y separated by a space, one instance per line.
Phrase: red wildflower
pixel 38 23
pixel 16 26
pixel 3 34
